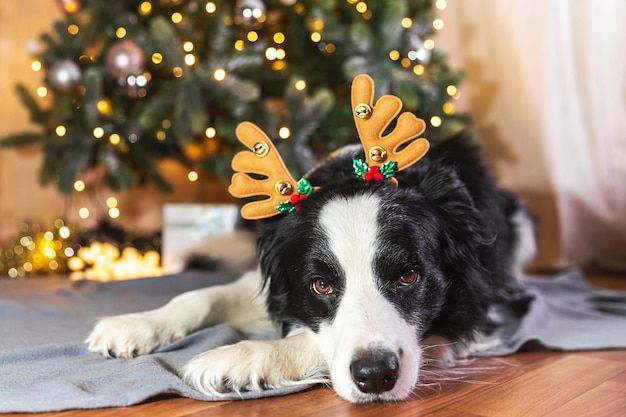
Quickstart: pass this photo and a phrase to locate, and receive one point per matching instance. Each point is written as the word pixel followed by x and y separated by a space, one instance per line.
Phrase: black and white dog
pixel 358 280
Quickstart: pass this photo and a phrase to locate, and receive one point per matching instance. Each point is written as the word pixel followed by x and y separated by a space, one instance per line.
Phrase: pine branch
pixel 22 139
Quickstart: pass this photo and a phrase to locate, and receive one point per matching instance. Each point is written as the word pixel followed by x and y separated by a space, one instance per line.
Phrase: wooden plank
pixel 606 400
pixel 544 389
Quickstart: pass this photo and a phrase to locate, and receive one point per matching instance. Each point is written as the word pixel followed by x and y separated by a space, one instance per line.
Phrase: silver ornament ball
pixel 64 75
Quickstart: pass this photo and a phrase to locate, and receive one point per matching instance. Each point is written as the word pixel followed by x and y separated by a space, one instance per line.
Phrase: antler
pixel 371 122
pixel 262 159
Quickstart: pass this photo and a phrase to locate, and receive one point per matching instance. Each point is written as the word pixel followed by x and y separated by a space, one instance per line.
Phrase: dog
pixel 364 283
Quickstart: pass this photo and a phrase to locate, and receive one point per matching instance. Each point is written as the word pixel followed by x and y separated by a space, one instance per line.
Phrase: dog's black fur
pixel 447 220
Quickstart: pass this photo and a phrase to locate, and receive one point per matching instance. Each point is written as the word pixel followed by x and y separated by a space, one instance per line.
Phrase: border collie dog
pixel 359 281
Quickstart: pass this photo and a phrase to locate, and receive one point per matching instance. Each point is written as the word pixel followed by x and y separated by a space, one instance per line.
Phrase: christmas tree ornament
pixel 385 154
pixel 64 75
pixel 125 58
pixel 70 6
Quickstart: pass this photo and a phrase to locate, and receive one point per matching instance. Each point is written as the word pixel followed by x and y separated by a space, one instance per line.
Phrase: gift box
pixel 188 227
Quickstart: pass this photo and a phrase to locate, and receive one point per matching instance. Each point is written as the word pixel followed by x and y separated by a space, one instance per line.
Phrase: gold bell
pixel 363 111
pixel 377 154
pixel 260 149
pixel 283 187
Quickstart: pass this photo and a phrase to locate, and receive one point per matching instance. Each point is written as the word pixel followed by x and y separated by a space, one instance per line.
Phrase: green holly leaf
pixel 305 187
pixel 286 207
pixel 388 169
pixel 360 167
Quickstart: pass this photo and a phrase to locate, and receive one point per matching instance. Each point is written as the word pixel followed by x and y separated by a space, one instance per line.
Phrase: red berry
pixel 374 169
pixel 378 176
pixel 295 198
pixel 368 176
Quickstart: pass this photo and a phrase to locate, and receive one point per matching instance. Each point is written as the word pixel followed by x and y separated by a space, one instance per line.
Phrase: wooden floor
pixel 528 384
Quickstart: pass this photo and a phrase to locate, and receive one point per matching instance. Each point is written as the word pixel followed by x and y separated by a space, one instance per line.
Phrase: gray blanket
pixel 45 366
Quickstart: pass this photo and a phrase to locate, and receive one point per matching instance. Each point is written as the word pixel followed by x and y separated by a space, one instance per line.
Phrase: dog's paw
pixel 129 335
pixel 249 366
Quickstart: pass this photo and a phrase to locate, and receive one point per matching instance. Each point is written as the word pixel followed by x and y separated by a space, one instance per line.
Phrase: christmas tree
pixel 130 82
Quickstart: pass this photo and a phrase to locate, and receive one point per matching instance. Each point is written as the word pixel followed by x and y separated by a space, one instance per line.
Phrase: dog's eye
pixel 408 277
pixel 321 287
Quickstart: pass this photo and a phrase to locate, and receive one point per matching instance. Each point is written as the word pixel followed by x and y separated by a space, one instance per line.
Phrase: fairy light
pixel 429 44
pixel 451 90
pixel 300 85
pixel 239 44
pixel 114 212
pixel 115 139
pixel 448 108
pixel 161 136
pixel 405 62
pixel 64 232
pixel 441 4
pixel 279 37
pixel 192 176
pixel 83 213
pixel 394 55
pixel 42 92
pixel 145 8
pixel 438 24
pixel 270 53
pixel 210 132
pixel 190 59
pixel 435 121
pixel 318 25
pixel 177 71
pixel 177 17
pixel 252 36
pixel 73 29
pixel 71 6
pixel 279 65
pixel 284 133
pixel 157 58
pixel 210 7
pixel 104 262
pixel 280 53
pixel 406 22
pixel 120 32
pixel 188 46
pixel 418 69
pixel 79 185
pixel 361 7
pixel 219 74
pixel 316 36
pixel 60 130
pixel 111 202
pixel 330 48
pixel 35 65
pixel 104 106
pixel 98 132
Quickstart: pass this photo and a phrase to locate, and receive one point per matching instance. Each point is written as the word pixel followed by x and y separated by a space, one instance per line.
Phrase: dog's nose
pixel 375 371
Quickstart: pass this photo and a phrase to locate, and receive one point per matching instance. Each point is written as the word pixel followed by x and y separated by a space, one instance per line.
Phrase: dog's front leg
pixel 239 304
pixel 254 365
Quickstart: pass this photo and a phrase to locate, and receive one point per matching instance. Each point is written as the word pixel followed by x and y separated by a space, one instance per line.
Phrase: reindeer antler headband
pixel 382 157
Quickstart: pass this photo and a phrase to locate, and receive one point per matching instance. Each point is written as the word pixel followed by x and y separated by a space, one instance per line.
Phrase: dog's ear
pixel 463 228
pixel 272 247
